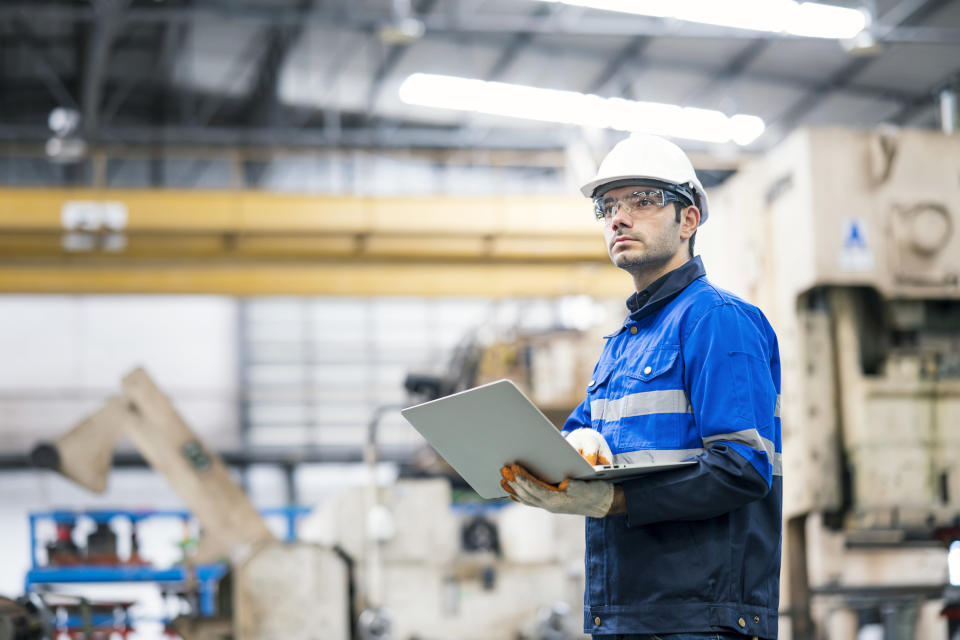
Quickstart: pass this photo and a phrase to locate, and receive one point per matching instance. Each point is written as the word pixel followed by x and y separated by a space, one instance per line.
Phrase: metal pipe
pixel 278 456
pixel 948 110
pixel 374 586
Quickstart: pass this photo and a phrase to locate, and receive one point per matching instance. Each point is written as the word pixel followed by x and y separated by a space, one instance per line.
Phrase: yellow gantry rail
pixel 254 243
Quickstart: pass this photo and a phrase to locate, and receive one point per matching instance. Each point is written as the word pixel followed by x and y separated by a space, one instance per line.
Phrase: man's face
pixel 641 239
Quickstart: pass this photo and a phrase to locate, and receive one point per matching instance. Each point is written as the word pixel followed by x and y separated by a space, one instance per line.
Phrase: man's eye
pixel 646 202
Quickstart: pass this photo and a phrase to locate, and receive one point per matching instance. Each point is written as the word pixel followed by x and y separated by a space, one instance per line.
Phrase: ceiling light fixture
pixel 807 19
pixel 571 107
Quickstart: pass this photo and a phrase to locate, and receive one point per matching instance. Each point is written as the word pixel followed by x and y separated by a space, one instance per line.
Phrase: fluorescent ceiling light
pixel 571 107
pixel 809 19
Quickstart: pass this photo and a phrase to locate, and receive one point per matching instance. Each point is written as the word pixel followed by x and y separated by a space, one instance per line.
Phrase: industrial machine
pixel 372 563
pixel 849 242
pixel 275 589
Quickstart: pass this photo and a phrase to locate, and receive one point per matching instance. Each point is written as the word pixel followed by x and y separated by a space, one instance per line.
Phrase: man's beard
pixel 656 255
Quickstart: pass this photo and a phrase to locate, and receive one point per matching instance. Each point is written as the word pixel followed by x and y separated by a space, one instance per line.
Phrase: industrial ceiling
pixel 315 73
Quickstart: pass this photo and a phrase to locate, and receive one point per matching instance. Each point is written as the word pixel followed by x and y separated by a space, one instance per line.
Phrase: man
pixel 694 373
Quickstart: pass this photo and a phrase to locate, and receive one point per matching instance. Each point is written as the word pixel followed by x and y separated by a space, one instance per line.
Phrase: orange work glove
pixel 582 497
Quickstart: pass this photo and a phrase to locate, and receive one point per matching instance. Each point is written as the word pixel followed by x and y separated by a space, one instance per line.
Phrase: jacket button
pixel 756 619
pixel 596 621
pixel 647 371
pixel 633 330
pixel 742 622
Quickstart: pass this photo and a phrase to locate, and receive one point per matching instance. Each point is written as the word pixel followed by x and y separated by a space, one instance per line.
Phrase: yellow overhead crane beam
pixel 416 279
pixel 255 243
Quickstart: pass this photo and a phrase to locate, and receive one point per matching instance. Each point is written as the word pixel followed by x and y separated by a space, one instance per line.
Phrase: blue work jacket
pixel 694 373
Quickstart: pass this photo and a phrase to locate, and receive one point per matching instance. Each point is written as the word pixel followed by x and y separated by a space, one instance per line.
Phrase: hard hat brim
pixel 588 189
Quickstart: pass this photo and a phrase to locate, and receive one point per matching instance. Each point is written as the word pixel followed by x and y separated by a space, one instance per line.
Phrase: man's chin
pixel 630 261
pixel 625 259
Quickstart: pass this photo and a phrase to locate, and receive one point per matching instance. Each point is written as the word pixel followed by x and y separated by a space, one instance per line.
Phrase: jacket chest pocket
pixel 596 394
pixel 652 407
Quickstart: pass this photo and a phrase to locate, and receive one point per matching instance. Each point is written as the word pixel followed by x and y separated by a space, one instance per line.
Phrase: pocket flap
pixel 654 363
pixel 599 377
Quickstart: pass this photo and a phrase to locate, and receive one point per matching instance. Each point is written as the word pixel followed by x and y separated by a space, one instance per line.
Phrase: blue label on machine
pixel 855 253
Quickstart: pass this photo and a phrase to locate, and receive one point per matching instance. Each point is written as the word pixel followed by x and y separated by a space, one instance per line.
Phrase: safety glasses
pixel 638 202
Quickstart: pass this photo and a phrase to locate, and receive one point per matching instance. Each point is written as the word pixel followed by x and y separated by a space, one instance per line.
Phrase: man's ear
pixel 689 221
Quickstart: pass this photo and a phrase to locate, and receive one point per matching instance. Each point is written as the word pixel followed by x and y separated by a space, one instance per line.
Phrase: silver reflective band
pixel 655 456
pixel 669 456
pixel 753 439
pixel 776 412
pixel 749 437
pixel 641 404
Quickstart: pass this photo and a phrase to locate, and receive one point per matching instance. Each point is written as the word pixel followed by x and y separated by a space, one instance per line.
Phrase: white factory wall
pixel 312 370
pixel 63 355
pixel 318 368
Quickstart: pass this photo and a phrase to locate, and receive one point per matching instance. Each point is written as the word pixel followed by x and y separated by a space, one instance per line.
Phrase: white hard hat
pixel 647 157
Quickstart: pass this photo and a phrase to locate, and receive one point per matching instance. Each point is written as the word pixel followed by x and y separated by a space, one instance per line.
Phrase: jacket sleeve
pixel 579 418
pixel 729 377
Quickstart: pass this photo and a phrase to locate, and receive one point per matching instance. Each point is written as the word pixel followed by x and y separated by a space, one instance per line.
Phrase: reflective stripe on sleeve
pixel 669 456
pixel 655 456
pixel 753 439
pixel 641 404
pixel 776 411
pixel 749 437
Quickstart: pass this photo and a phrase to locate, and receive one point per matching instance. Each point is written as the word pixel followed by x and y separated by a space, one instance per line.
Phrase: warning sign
pixel 855 251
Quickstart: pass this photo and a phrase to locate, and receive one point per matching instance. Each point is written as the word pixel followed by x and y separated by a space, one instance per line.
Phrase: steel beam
pixel 392 58
pixel 807 103
pixel 23 33
pixel 101 34
pixel 281 40
pixel 405 279
pixel 253 244
pixel 279 456
pixel 208 110
pixel 442 25
pixel 367 21
pixel 733 70
pixel 905 14
pixel 186 212
pixel 169 40
pixel 629 55
pixel 927 100
pixel 518 43
pixel 364 137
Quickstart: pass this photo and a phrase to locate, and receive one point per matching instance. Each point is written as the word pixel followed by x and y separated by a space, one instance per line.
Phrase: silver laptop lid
pixel 481 429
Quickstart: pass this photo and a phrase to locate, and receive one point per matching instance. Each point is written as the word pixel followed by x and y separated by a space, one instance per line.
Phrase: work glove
pixel 591 445
pixel 581 497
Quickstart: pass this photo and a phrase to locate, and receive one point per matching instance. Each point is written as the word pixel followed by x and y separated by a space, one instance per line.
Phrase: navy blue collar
pixel 665 288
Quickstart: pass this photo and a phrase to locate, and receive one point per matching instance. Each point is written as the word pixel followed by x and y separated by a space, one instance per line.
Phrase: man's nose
pixel 620 216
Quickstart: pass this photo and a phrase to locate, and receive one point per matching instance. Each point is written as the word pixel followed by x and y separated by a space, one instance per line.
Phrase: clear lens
pixel 636 202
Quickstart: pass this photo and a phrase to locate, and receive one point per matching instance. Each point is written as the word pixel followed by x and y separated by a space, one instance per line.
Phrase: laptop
pixel 480 430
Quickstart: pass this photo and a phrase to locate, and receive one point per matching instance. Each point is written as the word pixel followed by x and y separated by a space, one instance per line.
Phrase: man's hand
pixel 591 445
pixel 582 497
